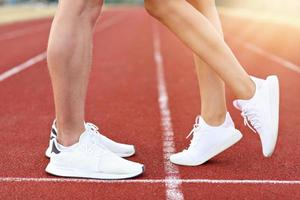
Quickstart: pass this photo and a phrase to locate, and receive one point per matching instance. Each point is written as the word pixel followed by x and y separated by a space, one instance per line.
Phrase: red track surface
pixel 122 99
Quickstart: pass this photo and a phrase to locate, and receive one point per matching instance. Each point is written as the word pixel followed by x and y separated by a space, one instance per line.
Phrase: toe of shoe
pixel 268 150
pixel 175 159
pixel 121 166
pixel 181 159
pixel 268 145
pixel 125 150
pixel 135 168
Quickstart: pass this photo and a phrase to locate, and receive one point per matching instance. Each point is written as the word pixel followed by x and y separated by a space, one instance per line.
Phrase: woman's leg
pixel 69 62
pixel 258 99
pixel 194 29
pixel 212 89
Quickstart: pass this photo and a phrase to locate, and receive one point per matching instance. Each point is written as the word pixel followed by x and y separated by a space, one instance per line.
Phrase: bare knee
pixel 158 8
pixel 84 10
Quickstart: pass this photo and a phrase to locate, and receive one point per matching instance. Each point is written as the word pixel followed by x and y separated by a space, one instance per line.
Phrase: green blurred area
pixel 278 11
pixel 125 1
pixel 2 2
pixel 289 8
pixel 281 6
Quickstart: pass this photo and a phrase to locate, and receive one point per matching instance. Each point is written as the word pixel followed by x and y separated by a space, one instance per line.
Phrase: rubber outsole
pixel 73 173
pixel 126 155
pixel 274 102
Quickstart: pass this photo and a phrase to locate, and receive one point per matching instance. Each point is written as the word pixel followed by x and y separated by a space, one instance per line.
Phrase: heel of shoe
pixel 48 150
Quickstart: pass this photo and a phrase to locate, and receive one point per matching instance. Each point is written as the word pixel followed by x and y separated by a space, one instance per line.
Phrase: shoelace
pixel 93 148
pixel 92 126
pixel 250 115
pixel 95 133
pixel 196 129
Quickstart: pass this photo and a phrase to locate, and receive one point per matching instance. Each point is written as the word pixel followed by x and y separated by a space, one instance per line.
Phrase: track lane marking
pixel 109 23
pixel 42 56
pixel 274 58
pixel 32 61
pixel 173 191
pixel 152 181
pixel 168 181
pixel 21 32
pixel 283 62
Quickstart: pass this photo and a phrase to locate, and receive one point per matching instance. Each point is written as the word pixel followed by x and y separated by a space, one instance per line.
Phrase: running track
pixel 143 90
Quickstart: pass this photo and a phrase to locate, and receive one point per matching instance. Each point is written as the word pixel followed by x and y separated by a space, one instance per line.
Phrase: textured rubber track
pixel 122 100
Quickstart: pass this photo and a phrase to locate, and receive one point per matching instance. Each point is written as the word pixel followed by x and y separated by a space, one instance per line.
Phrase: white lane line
pixel 173 191
pixel 23 66
pixel 281 61
pixel 40 57
pixel 151 181
pixel 21 32
pixel 108 23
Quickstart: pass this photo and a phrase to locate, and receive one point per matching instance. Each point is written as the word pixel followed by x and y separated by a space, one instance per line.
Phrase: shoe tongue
pixel 84 136
pixel 258 82
pixel 201 122
pixel 238 104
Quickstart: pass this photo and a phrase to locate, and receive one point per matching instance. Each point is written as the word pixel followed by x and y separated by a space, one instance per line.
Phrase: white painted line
pixel 21 32
pixel 281 61
pixel 151 181
pixel 108 23
pixel 173 191
pixel 40 57
pixel 23 66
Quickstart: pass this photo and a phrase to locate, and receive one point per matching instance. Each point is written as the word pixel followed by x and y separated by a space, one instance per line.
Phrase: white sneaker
pixel 262 111
pixel 207 142
pixel 86 159
pixel 122 150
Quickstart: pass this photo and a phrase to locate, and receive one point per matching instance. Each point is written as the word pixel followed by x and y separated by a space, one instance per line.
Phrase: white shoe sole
pixel 212 152
pixel 122 155
pixel 126 155
pixel 76 173
pixel 273 84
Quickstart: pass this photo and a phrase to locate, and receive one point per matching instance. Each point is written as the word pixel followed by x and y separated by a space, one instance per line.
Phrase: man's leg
pixel 79 150
pixel 212 89
pixel 69 61
pixel 194 29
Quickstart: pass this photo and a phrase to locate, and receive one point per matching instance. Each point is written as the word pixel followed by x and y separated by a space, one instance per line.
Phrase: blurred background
pixel 282 11
pixel 290 8
pixel 51 1
pixel 275 7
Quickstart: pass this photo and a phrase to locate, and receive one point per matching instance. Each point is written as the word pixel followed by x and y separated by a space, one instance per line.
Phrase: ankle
pixel 214 119
pixel 69 136
pixel 247 90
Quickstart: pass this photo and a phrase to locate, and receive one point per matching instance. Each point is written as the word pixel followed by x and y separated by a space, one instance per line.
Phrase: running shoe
pixel 122 150
pixel 207 142
pixel 88 159
pixel 261 112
